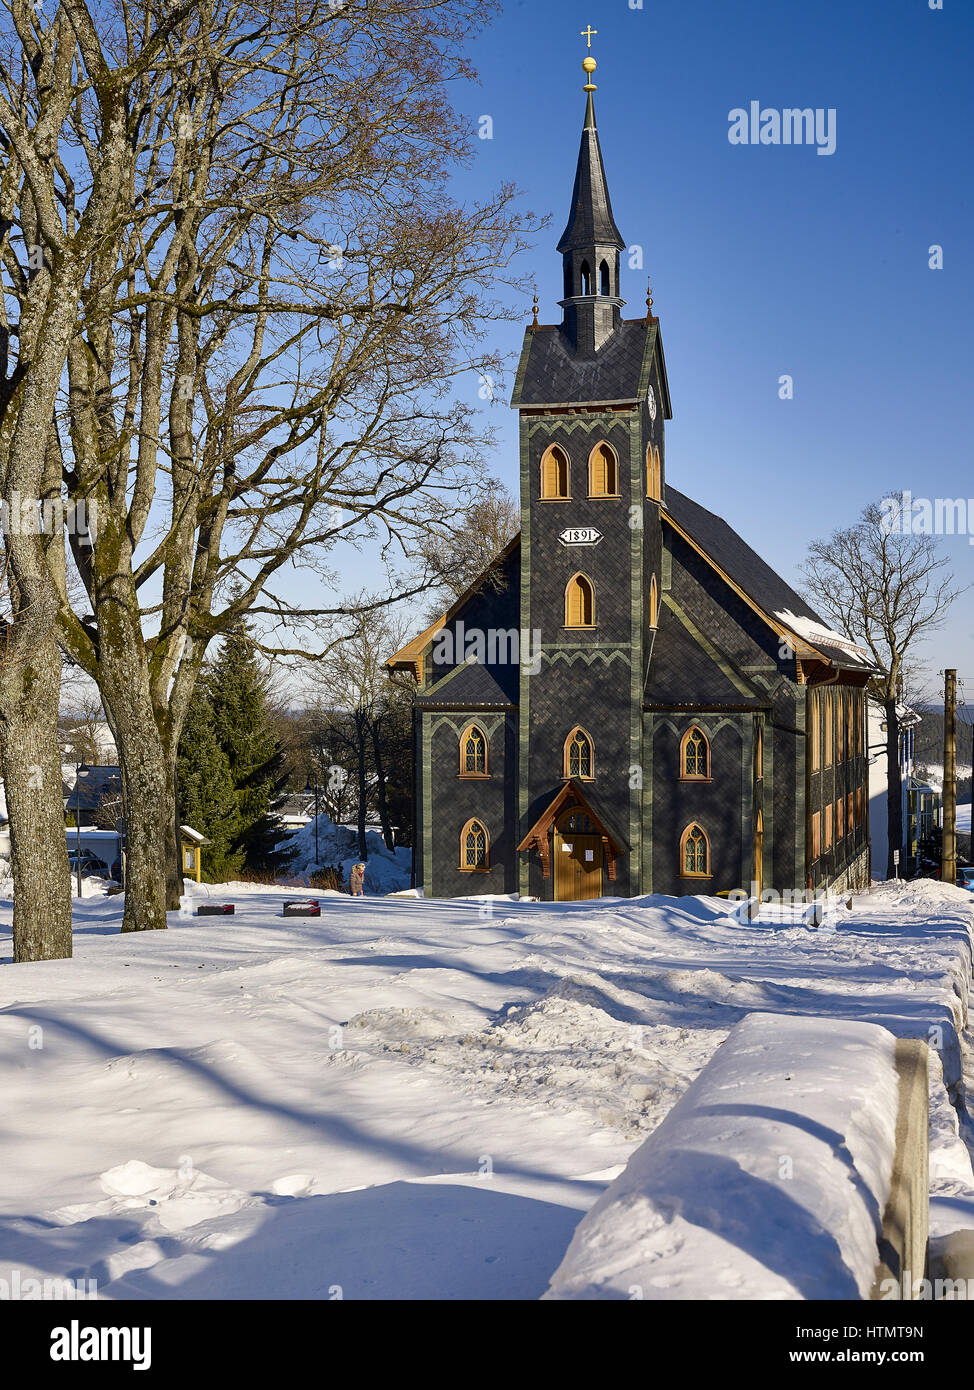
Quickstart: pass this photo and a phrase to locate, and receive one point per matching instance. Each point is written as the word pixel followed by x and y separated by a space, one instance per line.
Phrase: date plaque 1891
pixel 580 535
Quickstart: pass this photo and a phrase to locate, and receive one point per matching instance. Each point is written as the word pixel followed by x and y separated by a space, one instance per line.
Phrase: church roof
pixel 682 671
pixel 551 374
pixel 784 609
pixel 489 687
pixel 590 222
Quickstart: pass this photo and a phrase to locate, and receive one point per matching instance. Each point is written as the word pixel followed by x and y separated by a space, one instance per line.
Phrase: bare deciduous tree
pixel 466 548
pixel 59 199
pixel 268 340
pixel 358 711
pixel 887 587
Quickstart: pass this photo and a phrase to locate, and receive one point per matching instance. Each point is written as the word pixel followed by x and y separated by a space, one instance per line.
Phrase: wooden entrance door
pixel 578 858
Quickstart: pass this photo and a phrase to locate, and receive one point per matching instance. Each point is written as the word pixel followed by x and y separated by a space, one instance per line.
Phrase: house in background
pixel 921 802
pixel 295 810
pixel 93 816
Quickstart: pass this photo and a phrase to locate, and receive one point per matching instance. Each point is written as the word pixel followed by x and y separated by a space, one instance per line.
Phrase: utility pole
pixel 948 870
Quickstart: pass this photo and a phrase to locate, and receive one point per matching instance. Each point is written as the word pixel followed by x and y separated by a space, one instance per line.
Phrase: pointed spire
pixel 591 221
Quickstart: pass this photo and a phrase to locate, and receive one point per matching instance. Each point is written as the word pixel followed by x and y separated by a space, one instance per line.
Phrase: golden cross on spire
pixel 588 62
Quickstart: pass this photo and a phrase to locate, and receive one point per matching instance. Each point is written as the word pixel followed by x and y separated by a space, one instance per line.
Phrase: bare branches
pixel 883 586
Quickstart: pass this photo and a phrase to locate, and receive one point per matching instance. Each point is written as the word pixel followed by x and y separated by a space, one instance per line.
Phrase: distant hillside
pixel 930 747
pixel 930 736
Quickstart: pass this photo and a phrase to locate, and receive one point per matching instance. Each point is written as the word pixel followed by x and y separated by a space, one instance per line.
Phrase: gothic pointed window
pixel 579 602
pixel 579 756
pixel 568 279
pixel 603 472
pixel 653 486
pixel 694 853
pixel 554 474
pixel 694 755
pixel 604 278
pixel 474 846
pixel 586 278
pixel 473 752
pixel 653 603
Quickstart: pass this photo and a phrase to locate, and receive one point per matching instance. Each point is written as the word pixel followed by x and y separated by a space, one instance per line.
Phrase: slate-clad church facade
pixel 632 701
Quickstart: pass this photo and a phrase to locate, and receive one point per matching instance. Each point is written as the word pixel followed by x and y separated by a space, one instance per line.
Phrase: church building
pixel 631 701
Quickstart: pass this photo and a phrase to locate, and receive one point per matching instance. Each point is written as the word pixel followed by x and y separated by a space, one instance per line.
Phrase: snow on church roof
pixel 816 632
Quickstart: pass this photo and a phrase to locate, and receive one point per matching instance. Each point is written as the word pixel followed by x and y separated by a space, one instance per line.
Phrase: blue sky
pixel 768 260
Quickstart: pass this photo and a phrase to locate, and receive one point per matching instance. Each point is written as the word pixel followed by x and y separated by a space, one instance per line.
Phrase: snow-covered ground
pixel 406 1098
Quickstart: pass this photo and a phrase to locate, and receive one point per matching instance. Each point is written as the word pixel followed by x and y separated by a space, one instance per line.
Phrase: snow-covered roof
pixel 813 632
pixel 192 834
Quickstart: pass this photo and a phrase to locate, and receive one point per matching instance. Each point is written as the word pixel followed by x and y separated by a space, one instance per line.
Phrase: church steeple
pixel 591 242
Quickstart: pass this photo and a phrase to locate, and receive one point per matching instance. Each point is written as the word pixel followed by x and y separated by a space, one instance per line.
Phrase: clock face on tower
pixel 651 402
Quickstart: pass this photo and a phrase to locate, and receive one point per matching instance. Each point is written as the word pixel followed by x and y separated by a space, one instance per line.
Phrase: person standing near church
pixel 356 879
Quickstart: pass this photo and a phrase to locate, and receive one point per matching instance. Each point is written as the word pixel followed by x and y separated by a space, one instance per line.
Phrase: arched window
pixel 603 472
pixel 653 603
pixel 604 278
pixel 474 846
pixel 579 756
pixel 473 752
pixel 579 602
pixel 653 484
pixel 568 280
pixel 694 755
pixel 586 278
pixel 554 473
pixel 694 853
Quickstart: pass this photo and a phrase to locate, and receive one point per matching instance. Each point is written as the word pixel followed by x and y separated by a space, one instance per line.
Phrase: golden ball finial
pixel 588 62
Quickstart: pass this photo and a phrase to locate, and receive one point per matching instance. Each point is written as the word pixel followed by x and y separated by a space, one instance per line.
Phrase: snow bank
pixel 767 1179
pixel 386 871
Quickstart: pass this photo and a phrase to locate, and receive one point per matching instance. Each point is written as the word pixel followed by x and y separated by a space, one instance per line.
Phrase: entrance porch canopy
pixel 568 798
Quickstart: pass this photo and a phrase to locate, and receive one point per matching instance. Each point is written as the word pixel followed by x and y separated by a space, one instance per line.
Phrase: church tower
pixel 592 396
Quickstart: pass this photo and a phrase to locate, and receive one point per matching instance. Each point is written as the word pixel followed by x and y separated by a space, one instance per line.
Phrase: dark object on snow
pixel 215 909
pixel 301 907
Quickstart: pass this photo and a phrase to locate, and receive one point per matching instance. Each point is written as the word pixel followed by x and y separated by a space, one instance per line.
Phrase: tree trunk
pixel 31 762
pixel 362 781
pixel 894 789
pixel 146 778
pixel 174 853
pixel 380 786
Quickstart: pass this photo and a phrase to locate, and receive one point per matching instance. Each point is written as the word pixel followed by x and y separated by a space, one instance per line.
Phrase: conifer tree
pixel 238 692
pixel 205 789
